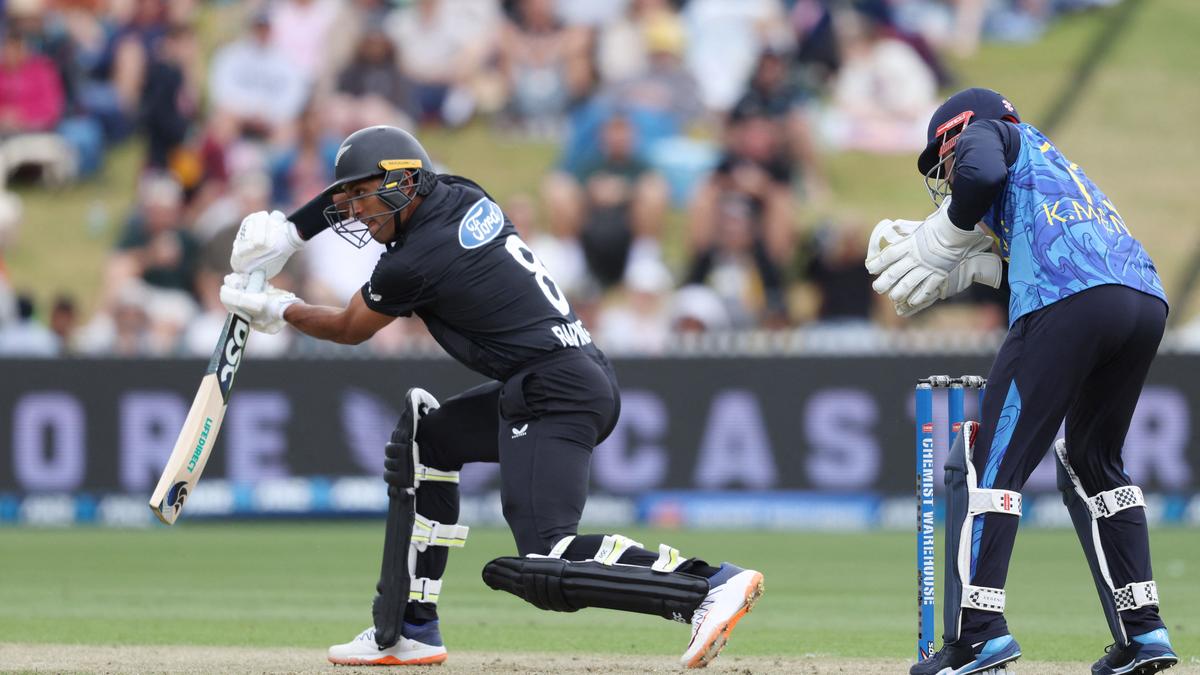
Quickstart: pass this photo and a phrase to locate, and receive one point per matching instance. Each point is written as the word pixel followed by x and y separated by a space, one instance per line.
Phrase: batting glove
pixel 264 242
pixel 264 309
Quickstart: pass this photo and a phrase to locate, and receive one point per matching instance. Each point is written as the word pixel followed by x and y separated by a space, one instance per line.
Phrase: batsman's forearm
pixel 321 322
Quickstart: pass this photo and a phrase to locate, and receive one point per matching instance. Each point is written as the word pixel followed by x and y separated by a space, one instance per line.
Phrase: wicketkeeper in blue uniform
pixel 1086 314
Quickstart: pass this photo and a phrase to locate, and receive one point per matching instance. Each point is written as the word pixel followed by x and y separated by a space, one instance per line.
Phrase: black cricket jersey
pixel 482 293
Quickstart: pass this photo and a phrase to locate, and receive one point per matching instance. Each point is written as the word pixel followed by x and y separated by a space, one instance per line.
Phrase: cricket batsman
pixel 1086 314
pixel 454 259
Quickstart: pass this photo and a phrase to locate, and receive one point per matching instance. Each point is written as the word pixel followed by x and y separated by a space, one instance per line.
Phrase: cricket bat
pixel 199 432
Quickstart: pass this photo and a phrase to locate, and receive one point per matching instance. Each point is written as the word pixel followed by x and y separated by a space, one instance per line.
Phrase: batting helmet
pixel 389 152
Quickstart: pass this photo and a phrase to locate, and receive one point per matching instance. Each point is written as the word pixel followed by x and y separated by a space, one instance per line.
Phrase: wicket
pixel 926 555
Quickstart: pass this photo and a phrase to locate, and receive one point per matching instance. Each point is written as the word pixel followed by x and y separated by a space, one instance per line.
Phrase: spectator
pixel 46 35
pixel 31 92
pixel 353 19
pixel 155 247
pixel 622 51
pixel 31 107
pixel 836 271
pixel 372 89
pixel 545 64
pixel 93 35
pixel 557 247
pixel 248 192
pixel 64 320
pixel 661 101
pixel 696 308
pixel 640 322
pixel 775 91
pixel 665 89
pixel 302 170
pixel 725 39
pixel 883 94
pixel 737 266
pixel 171 96
pixel 443 48
pixel 300 29
pixel 25 336
pixel 755 170
pixel 135 41
pixel 121 328
pixel 618 201
pixel 256 88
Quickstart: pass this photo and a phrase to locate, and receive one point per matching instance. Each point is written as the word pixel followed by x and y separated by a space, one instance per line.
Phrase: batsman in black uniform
pixel 455 260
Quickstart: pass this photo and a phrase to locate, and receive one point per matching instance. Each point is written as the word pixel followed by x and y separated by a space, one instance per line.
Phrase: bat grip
pixel 256 282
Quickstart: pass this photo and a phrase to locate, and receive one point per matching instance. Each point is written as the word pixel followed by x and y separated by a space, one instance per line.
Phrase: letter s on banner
pixel 844 453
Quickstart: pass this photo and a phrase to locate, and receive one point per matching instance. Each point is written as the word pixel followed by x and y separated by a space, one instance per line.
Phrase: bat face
pixel 194 444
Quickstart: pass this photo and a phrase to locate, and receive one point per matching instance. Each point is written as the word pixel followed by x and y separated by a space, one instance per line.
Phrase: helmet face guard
pixel 937 179
pixel 401 180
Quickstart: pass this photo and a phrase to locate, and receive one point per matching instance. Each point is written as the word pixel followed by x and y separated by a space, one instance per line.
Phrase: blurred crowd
pixel 691 135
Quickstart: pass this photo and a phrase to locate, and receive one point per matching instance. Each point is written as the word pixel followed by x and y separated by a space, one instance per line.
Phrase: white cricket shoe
pixel 733 593
pixel 362 650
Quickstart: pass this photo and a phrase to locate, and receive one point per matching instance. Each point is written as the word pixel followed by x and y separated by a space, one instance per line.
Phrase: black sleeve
pixel 395 289
pixel 982 156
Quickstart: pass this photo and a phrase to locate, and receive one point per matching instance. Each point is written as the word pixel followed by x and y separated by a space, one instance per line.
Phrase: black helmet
pixel 948 121
pixel 383 151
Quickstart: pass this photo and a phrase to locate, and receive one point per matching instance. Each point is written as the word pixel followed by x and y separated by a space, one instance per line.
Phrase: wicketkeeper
pixel 454 259
pixel 1086 314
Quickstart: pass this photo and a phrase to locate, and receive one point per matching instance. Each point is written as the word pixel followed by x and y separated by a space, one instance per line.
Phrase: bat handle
pixel 256 282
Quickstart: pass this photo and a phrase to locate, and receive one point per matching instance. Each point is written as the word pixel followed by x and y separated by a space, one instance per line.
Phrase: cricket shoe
pixel 418 646
pixel 987 657
pixel 1145 653
pixel 732 592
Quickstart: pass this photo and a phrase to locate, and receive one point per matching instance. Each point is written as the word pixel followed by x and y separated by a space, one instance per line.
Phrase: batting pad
pixel 565 586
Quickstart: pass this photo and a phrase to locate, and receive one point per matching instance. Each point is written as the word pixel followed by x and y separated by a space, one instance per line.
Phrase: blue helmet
pixel 948 121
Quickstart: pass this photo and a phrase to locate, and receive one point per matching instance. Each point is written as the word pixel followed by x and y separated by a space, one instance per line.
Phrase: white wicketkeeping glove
pixel 979 266
pixel 263 308
pixel 919 263
pixel 264 242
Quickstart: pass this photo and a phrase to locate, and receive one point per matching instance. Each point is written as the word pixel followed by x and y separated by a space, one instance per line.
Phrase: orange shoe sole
pixel 753 592
pixel 392 661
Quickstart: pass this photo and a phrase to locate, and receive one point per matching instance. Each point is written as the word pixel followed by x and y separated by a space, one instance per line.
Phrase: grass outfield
pixel 833 596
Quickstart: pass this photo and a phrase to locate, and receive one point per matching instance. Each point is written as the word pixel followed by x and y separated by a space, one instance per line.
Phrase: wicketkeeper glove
pixel 264 242
pixel 921 262
pixel 264 309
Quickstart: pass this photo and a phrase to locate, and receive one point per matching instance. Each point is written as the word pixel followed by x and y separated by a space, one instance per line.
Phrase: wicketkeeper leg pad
pixel 549 582
pixel 965 503
pixel 1086 514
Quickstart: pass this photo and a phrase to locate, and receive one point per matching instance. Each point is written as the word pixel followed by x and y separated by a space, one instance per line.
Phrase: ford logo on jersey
pixel 481 224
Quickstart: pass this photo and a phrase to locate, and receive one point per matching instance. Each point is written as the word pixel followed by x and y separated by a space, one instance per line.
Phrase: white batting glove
pixel 264 242
pixel 979 266
pixel 264 308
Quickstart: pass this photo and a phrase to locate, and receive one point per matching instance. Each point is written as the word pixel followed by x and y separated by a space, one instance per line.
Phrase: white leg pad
pixel 1136 594
pixel 423 589
pixel 1113 501
pixel 428 533
pixel 611 548
pixel 424 474
pixel 983 500
pixel 1133 595
pixel 982 597
pixel 980 501
pixel 668 559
